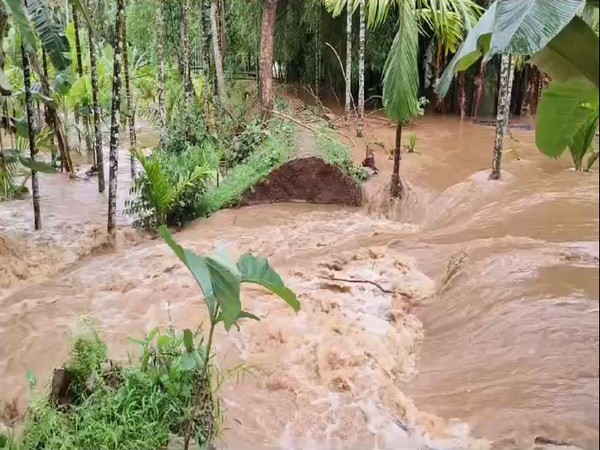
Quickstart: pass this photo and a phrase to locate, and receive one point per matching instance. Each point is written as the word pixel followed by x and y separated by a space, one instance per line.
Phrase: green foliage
pixel 412 142
pixel 246 143
pixel 171 186
pixel 335 152
pixel 138 407
pixel 186 129
pixel 272 153
pixel 88 352
pixel 582 142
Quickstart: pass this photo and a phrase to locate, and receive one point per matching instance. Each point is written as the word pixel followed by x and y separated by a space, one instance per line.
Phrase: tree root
pixel 373 283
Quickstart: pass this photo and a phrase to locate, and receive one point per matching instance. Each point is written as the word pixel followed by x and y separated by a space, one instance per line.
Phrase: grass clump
pixel 272 153
pixel 142 406
pixel 335 152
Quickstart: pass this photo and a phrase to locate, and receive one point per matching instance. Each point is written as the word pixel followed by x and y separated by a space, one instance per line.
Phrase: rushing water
pixel 493 341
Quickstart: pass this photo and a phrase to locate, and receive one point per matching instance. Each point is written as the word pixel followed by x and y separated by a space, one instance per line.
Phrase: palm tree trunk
pixel 480 88
pixel 504 95
pixel 160 37
pixel 217 53
pixel 185 45
pixel 129 95
pixel 35 187
pixel 114 124
pixel 47 113
pixel 318 55
pixel 361 71
pixel 96 110
pixel 266 58
pixel 85 118
pixel 462 96
pixel 396 184
pixel 348 102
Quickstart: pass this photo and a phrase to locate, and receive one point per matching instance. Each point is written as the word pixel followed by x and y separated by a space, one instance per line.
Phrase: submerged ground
pixel 494 339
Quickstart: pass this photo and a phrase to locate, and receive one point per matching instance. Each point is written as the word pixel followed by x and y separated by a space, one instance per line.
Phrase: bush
pixel 272 153
pixel 335 152
pixel 187 129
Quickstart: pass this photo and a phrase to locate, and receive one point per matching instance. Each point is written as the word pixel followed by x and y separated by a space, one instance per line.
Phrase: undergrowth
pixel 272 153
pixel 144 405
pixel 335 152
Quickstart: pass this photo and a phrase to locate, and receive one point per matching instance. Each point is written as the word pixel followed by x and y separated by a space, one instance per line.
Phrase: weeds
pixel 335 152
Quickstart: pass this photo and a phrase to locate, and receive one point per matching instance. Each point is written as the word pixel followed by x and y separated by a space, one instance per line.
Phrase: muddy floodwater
pixel 491 339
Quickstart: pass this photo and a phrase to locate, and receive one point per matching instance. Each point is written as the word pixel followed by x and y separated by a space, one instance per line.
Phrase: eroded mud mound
pixel 308 179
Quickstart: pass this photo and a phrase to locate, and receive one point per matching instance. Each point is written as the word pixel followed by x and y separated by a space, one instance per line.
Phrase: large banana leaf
pixel 584 139
pixel 562 112
pixel 52 36
pixel 572 54
pixel 401 74
pixel 526 26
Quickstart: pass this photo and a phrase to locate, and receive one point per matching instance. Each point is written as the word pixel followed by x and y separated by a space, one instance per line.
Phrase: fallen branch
pixel 377 285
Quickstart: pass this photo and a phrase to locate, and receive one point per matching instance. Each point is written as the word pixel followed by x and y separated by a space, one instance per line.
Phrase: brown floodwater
pixel 492 343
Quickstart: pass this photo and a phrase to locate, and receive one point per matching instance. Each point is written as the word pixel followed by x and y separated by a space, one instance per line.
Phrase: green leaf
pixel 16 10
pixel 195 264
pixel 563 110
pixel 62 83
pixel 526 26
pixel 188 340
pixel 476 44
pixel 255 269
pixel 51 35
pixel 187 361
pixel 37 166
pixel 247 315
pixel 401 73
pixel 226 284
pixel 564 61
pixel 5 87
pixel 583 140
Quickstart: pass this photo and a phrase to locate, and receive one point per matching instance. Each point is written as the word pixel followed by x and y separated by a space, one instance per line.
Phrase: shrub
pixel 335 152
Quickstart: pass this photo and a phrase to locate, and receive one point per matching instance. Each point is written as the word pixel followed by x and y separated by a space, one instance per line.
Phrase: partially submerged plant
pixel 220 279
pixel 412 142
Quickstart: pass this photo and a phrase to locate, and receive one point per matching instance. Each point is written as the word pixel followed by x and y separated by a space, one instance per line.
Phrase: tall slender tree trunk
pixel 266 58
pixel 396 183
pixel 185 45
pixel 504 96
pixel 361 71
pixel 439 62
pixel 480 88
pixel 96 110
pixel 47 114
pixel 318 55
pixel 85 118
pixel 348 101
pixel 160 38
pixel 129 95
pixel 462 96
pixel 114 123
pixel 35 187
pixel 223 30
pixel 220 75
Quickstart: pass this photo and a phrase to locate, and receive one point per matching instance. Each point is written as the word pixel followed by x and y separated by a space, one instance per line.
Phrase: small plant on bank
pixel 412 142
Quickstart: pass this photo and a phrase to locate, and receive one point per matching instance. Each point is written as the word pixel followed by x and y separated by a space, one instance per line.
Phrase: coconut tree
pixel 361 70
pixel 96 111
pixel 79 60
pixel 348 102
pixel 266 57
pixel 129 96
pixel 218 58
pixel 114 122
pixel 503 114
pixel 160 49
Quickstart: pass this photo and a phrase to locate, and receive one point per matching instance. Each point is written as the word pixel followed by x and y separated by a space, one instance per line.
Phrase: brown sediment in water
pixel 499 346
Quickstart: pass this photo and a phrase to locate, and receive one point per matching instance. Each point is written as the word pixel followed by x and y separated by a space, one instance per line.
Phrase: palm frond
pixel 401 74
pixel 161 194
pixel 51 35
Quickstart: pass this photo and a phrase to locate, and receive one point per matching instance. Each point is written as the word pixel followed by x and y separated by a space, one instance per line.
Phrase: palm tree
pixel 185 37
pixel 35 187
pixel 129 96
pixel 361 71
pixel 348 61
pixel 217 52
pixel 266 58
pixel 504 96
pixel 114 123
pixel 96 110
pixel 85 118
pixel 160 37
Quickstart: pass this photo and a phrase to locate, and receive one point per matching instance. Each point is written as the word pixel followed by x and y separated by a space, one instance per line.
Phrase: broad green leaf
pixel 226 284
pixel 526 26
pixel 187 361
pixel 564 61
pixel 37 166
pixel 188 340
pixel 563 110
pixel 195 264
pixel 62 83
pixel 53 39
pixel 255 269
pixel 476 44
pixel 16 9
pixel 401 73
pixel 584 139
pixel 5 87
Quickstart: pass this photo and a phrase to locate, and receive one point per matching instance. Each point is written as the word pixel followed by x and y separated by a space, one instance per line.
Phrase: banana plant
pixel 560 43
